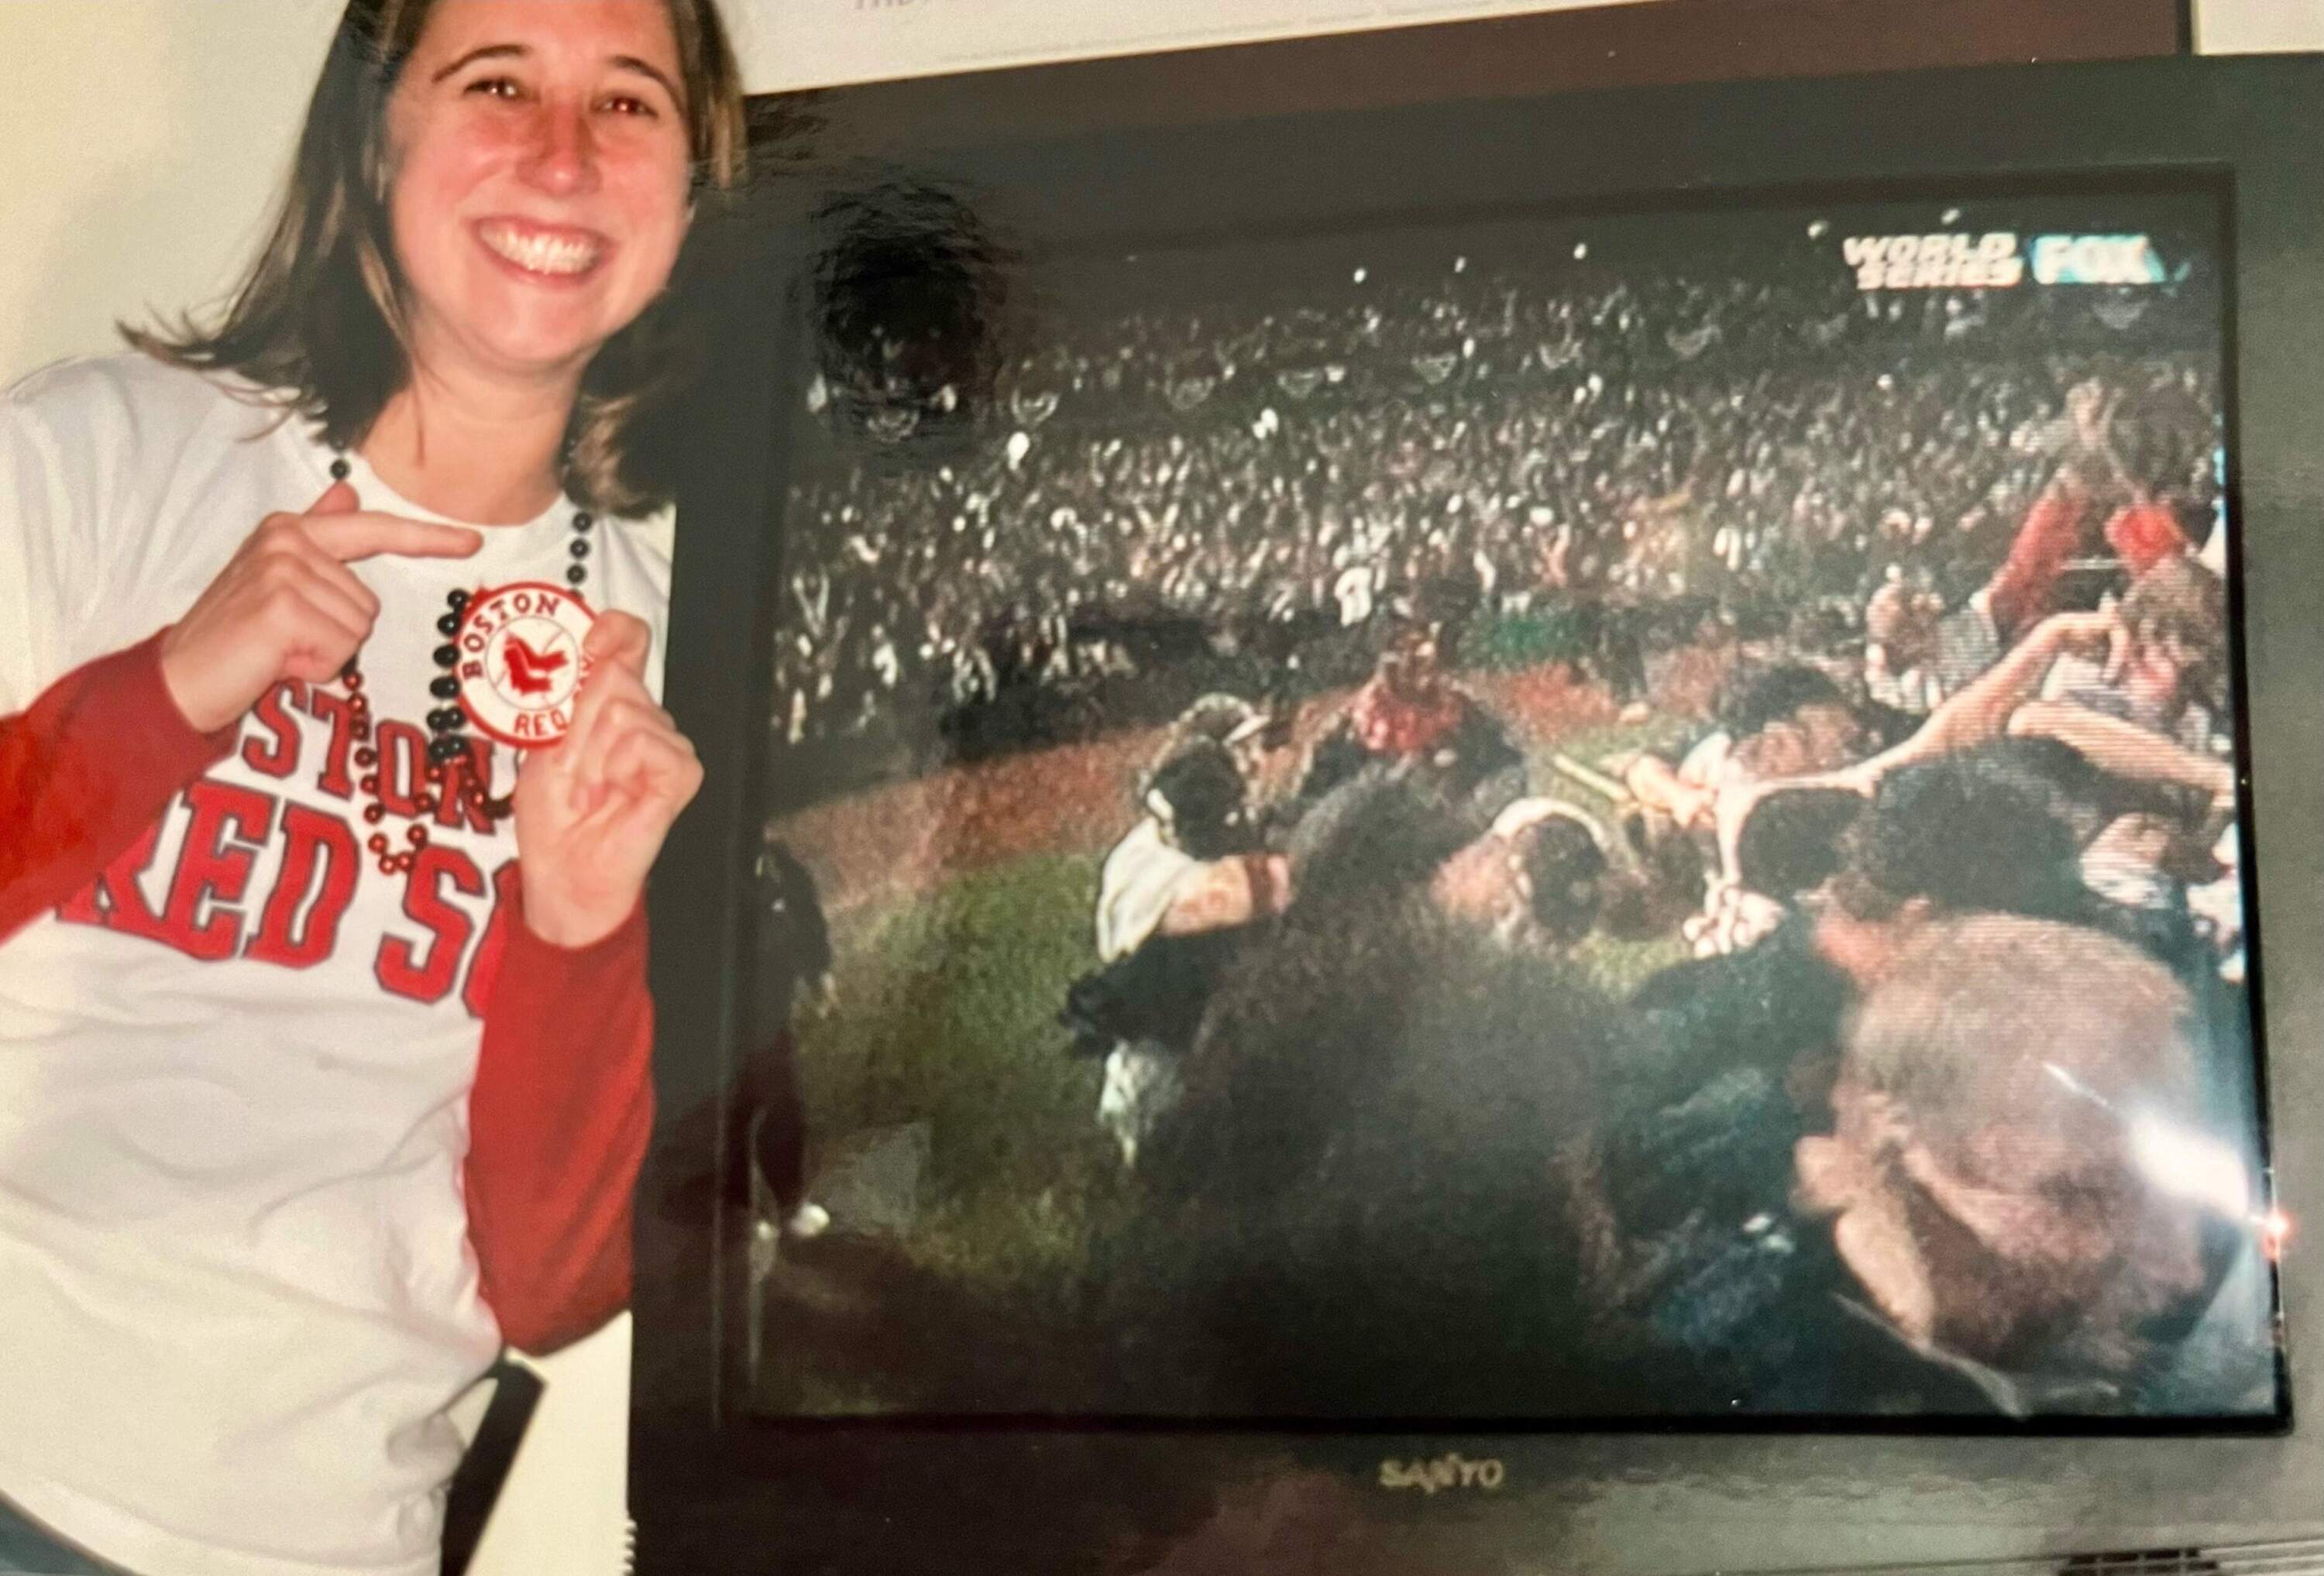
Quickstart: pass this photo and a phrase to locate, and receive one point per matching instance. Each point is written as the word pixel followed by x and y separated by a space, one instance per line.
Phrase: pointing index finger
pixel 368 534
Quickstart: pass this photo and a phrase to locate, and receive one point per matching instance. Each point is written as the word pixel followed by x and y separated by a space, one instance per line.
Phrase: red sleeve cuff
pixel 125 699
pixel 536 958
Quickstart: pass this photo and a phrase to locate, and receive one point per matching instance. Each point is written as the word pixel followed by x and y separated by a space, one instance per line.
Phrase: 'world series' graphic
pixel 522 662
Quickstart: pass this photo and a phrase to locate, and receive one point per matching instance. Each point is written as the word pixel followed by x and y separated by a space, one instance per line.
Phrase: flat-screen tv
pixel 1505 835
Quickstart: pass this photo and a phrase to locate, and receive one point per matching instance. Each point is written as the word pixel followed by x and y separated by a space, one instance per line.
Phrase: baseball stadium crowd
pixel 1165 500
pixel 1949 1108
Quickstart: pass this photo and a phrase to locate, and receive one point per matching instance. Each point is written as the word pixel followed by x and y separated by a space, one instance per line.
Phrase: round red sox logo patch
pixel 520 661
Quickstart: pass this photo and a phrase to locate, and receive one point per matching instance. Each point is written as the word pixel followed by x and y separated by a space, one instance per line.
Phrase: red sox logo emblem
pixel 522 662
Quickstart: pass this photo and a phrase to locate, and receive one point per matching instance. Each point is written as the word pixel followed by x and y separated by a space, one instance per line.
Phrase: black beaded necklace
pixel 448 741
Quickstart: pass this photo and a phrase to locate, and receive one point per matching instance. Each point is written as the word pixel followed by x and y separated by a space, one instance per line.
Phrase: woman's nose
pixel 563 159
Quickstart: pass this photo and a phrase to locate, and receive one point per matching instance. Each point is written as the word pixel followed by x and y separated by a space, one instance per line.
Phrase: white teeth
pixel 542 253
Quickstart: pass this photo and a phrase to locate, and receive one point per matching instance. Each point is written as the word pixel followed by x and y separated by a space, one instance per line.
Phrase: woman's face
pixel 540 179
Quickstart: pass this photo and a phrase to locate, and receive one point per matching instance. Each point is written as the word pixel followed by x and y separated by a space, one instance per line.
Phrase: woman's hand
pixel 591 811
pixel 287 606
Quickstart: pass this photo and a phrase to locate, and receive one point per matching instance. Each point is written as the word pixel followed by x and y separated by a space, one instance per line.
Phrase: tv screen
pixel 1607 815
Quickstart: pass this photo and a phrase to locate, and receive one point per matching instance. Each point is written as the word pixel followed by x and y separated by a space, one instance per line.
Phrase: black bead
pixel 445 689
pixel 449 625
pixel 457 598
pixel 580 547
pixel 448 720
pixel 339 467
pixel 443 750
pixel 348 672
pixel 581 521
pixel 446 656
pixel 576 574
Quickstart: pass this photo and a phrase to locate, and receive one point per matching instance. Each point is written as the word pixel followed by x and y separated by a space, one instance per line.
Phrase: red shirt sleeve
pixel 2023 590
pixel 93 763
pixel 557 1126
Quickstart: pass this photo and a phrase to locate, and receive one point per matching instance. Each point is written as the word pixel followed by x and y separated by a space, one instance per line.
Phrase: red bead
pixel 375 813
pixel 376 842
pixel 417 837
pixel 426 804
pixel 366 758
pixel 403 864
pixel 355 682
pixel 362 730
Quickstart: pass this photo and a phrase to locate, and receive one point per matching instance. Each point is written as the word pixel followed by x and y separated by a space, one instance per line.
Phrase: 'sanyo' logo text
pixel 1446 1471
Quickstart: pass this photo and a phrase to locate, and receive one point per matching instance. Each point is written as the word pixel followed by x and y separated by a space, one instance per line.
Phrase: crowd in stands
pixel 1158 490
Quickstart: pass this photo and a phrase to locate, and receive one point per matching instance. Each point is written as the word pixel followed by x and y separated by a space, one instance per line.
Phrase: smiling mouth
pixel 552 254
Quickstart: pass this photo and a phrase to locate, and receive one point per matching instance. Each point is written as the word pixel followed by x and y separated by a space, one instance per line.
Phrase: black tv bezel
pixel 710 1481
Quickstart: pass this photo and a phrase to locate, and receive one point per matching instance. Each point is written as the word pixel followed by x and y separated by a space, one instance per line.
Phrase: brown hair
pixel 318 319
pixel 1999 1017
pixel 2015 1054
pixel 2181 606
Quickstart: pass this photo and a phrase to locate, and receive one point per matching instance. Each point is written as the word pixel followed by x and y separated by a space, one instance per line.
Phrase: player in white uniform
pixel 1176 888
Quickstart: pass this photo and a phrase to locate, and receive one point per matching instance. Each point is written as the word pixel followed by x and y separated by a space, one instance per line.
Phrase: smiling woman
pixel 539 191
pixel 410 174
pixel 324 1034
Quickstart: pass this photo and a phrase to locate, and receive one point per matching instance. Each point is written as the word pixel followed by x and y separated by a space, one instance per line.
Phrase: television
pixel 1517 834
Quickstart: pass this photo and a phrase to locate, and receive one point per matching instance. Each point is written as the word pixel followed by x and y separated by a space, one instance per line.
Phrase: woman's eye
pixel 495 88
pixel 630 104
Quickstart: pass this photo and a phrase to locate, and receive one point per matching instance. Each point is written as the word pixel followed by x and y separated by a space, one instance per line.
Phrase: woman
pixel 324 1038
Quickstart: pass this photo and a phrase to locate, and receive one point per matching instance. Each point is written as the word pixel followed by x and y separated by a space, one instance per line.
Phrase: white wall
pixel 142 140
pixel 2235 27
